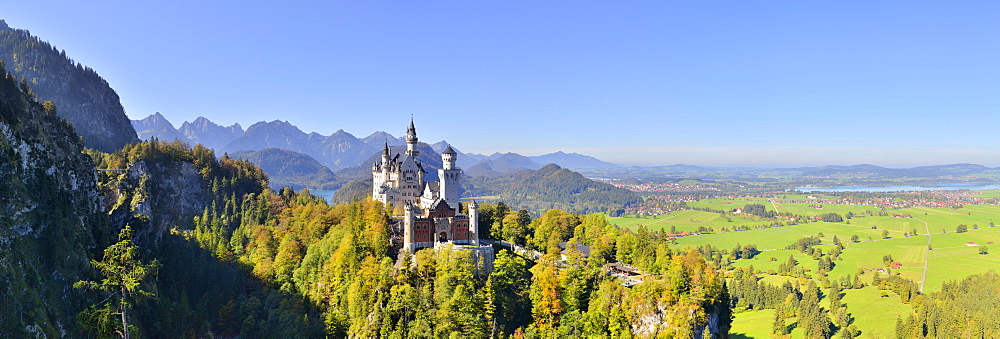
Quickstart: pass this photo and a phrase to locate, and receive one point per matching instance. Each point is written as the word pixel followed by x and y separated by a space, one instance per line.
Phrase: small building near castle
pixel 431 217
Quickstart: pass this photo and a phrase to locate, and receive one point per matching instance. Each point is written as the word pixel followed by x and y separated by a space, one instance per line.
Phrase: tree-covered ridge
pixel 162 193
pixel 50 220
pixel 290 169
pixel 966 308
pixel 553 187
pixel 83 97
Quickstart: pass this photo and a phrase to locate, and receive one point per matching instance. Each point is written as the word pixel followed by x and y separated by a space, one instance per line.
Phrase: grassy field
pixel 794 208
pixel 860 303
pixel 988 194
pixel 754 324
pixel 728 204
pixel 779 237
pixel 807 209
pixel 949 258
pixel 874 315
pixel 896 226
pixel 685 220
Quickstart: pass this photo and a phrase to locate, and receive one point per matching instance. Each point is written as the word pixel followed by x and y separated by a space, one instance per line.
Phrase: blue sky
pixel 892 83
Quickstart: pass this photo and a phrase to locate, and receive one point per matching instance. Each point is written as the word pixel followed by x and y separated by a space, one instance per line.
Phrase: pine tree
pixel 123 272
pixel 778 327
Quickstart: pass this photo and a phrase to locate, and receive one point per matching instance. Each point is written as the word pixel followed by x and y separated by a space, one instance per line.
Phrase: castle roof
pixel 449 150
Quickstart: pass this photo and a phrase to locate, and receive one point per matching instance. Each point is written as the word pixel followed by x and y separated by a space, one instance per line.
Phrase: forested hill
pixel 50 220
pixel 80 94
pixel 552 187
pixel 290 169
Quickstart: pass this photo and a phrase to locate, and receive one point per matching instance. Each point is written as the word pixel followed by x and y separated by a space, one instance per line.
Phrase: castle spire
pixel 411 140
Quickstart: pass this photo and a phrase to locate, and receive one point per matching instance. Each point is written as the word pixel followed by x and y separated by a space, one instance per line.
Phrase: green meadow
pixel 685 220
pixel 988 194
pixel 950 257
pixel 868 300
pixel 780 237
pixel 753 324
pixel 723 204
pixel 809 209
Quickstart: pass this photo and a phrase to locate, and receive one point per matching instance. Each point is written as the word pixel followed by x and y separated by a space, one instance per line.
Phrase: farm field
pixel 722 204
pixel 947 219
pixel 874 315
pixel 684 220
pixel 753 324
pixel 794 208
pixel 779 237
pixel 860 303
pixel 807 209
pixel 909 251
pixel 896 226
pixel 950 259
pixel 988 194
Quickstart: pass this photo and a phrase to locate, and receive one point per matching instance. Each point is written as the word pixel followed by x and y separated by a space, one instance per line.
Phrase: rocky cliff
pixel 81 95
pixel 50 223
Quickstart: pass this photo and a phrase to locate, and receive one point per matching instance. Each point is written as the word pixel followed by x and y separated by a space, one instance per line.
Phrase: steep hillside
pixel 50 224
pixel 81 95
pixel 171 194
pixel 285 168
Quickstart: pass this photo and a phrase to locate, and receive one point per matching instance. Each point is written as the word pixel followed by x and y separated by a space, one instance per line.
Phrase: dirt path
pixel 927 254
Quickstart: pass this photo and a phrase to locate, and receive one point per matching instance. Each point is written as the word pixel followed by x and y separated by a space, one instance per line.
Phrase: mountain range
pixel 340 150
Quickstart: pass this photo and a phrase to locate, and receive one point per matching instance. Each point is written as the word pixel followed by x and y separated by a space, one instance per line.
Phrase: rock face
pixel 80 94
pixel 50 218
pixel 169 193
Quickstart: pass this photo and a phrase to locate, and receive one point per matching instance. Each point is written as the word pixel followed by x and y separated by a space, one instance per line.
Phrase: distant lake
pixel 325 194
pixel 901 188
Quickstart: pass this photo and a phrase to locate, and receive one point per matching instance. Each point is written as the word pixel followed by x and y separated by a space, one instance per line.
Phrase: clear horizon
pixel 783 84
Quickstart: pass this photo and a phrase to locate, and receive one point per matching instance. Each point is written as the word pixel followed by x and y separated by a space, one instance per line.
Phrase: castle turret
pixel 473 223
pixel 411 140
pixel 448 158
pixel 449 176
pixel 408 234
pixel 385 154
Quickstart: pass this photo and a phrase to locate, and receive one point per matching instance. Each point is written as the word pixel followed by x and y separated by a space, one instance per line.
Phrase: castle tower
pixel 408 233
pixel 473 223
pixel 411 140
pixel 380 172
pixel 449 176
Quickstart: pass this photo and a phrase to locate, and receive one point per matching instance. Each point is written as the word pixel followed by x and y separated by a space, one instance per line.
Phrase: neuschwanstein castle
pixel 430 208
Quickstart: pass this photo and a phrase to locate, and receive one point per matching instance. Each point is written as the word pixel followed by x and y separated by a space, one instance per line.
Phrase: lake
pixel 901 188
pixel 325 194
